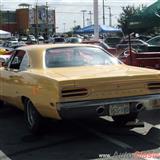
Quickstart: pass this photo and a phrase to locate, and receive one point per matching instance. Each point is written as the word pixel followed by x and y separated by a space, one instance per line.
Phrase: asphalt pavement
pixel 97 139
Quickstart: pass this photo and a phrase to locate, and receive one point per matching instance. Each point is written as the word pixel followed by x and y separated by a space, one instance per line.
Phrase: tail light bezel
pixel 74 92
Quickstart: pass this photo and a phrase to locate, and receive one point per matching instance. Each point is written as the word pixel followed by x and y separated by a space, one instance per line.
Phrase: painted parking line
pixel 157 126
pixel 105 137
pixel 151 159
pixel 3 156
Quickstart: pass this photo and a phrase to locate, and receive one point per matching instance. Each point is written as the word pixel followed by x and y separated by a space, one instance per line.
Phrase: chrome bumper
pixel 80 109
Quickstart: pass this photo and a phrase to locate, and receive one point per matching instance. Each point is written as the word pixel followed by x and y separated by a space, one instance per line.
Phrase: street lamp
pixel 83 11
pixel 74 23
pixel 64 27
pixel 90 17
pixel 96 26
pixel 88 21
pixel 103 12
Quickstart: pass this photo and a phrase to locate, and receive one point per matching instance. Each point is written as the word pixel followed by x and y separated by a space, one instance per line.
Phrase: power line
pixel 79 13
pixel 60 4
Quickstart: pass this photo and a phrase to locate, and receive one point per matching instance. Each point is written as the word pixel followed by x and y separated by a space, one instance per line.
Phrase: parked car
pixel 58 40
pixel 154 41
pixel 5 57
pixel 13 38
pixel 68 81
pixel 41 38
pixel 1 42
pixel 144 38
pixel 13 44
pixel 10 44
pixel 113 41
pixel 73 40
pixel 3 51
pixel 31 39
pixel 23 38
pixel 137 44
pixel 101 43
pixel 142 59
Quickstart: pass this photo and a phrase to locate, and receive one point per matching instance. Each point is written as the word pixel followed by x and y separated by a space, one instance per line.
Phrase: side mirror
pixel 3 63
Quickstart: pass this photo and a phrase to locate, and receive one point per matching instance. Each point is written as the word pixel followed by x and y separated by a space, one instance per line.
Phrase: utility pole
pixel 54 25
pixel 96 25
pixel 1 18
pixel 103 9
pixel 110 15
pixel 90 17
pixel 47 20
pixel 36 21
pixel 8 21
pixel 83 11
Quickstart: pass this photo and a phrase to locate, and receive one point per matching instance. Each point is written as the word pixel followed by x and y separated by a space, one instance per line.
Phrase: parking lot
pixel 96 139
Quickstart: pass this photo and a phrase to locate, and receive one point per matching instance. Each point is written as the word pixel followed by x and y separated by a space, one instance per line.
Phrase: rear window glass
pixel 77 56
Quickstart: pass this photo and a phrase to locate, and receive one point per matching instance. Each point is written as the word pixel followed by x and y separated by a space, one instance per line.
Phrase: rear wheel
pixel 124 119
pixel 1 103
pixel 32 117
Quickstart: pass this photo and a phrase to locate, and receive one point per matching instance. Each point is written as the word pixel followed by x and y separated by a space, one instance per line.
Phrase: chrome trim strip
pixel 89 103
pixel 149 58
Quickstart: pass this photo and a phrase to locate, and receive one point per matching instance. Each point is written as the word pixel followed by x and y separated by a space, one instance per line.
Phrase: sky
pixel 69 12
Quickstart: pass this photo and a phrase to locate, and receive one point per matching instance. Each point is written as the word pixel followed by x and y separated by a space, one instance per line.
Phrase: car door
pixel 13 76
pixel 3 79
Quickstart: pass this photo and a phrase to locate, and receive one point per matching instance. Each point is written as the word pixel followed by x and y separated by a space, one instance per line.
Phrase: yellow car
pixel 67 81
pixel 3 51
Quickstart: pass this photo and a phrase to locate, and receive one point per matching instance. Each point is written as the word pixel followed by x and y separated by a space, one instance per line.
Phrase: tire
pixel 32 117
pixel 124 119
pixel 1 103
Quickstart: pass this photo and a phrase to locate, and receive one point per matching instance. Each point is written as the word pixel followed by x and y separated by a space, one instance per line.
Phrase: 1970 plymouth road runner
pixel 67 81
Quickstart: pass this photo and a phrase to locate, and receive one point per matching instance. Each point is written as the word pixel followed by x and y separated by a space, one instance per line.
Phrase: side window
pixel 8 62
pixel 25 62
pixel 17 59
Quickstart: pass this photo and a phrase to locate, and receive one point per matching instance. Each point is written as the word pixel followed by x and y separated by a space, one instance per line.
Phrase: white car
pixel 41 38
pixel 4 58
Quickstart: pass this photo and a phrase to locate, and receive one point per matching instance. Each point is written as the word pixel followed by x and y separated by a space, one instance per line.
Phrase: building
pixel 42 20
pixel 25 20
pixel 8 21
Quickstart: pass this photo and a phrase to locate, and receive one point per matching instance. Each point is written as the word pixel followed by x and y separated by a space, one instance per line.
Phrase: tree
pixel 1 20
pixel 76 27
pixel 127 13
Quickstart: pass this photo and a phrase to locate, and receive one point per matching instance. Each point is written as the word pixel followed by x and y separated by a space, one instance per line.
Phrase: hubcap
pixel 31 114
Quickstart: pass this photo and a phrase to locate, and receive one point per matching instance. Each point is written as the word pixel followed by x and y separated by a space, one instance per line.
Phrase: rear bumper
pixel 89 108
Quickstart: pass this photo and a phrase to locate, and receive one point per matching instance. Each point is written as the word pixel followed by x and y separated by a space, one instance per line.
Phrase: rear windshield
pixel 59 40
pixel 77 56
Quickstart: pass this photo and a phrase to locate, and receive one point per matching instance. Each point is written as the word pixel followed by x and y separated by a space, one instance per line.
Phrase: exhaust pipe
pixel 100 110
pixel 139 107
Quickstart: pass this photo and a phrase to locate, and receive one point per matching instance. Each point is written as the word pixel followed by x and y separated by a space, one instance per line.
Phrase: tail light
pixel 74 92
pixel 154 86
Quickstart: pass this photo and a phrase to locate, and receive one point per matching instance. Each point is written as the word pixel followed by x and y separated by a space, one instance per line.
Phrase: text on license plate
pixel 119 109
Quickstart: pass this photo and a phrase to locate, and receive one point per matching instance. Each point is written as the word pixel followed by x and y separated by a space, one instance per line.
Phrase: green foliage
pixel 127 13
pixel 76 27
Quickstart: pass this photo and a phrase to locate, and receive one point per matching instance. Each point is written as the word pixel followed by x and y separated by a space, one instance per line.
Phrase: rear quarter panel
pixel 41 90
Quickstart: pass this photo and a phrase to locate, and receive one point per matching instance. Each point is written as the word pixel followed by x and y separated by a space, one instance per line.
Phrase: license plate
pixel 119 109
